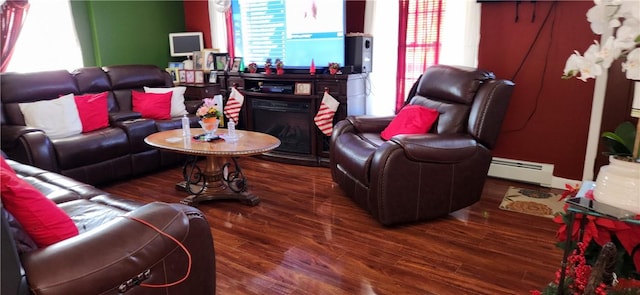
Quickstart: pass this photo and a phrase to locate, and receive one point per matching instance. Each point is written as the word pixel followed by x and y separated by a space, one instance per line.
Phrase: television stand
pixel 285 105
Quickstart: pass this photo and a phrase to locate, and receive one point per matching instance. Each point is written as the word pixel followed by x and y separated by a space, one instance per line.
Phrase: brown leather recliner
pixel 417 177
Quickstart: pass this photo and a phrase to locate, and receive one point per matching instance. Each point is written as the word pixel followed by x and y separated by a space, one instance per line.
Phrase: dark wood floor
pixel 306 237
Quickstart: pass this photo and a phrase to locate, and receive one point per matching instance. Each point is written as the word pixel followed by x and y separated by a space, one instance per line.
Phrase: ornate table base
pixel 216 182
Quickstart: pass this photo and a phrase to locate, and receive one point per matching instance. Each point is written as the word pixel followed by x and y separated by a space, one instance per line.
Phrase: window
pixel 48 39
pixel 421 43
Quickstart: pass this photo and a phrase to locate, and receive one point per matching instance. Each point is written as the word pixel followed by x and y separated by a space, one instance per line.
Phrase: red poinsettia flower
pixel 570 191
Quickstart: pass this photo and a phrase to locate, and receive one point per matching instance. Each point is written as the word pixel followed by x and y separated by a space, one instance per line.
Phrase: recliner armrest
pixel 100 260
pixel 437 148
pixel 29 145
pixel 11 133
pixel 369 124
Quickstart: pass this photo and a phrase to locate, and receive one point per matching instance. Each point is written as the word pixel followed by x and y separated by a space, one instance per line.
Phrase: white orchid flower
pixel 621 20
pixel 632 65
pixel 609 52
pixel 627 34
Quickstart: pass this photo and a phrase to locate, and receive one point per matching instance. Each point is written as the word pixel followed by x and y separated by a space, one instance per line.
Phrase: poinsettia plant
pixel 208 109
pixel 588 243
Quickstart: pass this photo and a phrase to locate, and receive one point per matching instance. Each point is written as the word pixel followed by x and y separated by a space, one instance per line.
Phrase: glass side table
pixel 582 205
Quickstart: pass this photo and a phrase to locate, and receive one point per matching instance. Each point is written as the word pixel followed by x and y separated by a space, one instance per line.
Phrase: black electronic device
pixel 359 53
pixel 276 88
pixel 202 137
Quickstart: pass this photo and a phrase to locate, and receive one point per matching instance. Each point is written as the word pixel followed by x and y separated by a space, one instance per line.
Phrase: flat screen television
pixel 295 31
pixel 184 44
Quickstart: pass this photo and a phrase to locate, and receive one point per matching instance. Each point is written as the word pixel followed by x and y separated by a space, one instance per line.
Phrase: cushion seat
pixel 90 148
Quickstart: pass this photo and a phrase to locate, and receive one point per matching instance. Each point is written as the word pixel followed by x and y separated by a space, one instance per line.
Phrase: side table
pixel 582 205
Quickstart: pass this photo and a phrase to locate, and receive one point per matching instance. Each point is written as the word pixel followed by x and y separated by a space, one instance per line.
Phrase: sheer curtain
pixel 48 40
pixel 459 46
pixel 218 23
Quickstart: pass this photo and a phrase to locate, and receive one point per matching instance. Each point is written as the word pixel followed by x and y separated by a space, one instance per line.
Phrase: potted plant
pixel 334 67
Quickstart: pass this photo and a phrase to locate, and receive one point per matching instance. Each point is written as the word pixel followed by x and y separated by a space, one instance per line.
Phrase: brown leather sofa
pixel 411 178
pixel 112 254
pixel 98 156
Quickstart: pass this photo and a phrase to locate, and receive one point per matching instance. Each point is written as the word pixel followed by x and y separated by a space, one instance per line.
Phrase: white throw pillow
pixel 58 117
pixel 177 99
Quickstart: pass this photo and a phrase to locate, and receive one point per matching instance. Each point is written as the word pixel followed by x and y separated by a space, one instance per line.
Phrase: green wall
pixel 127 32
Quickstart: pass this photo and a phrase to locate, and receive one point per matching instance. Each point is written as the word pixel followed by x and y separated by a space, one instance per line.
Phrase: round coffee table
pixel 217 180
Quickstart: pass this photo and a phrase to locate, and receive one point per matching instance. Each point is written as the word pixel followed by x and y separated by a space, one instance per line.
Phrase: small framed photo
pixel 197 60
pixel 302 88
pixel 222 59
pixel 174 75
pixel 182 75
pixel 177 65
pixel 235 66
pixel 199 76
pixel 213 77
pixel 209 56
pixel 191 76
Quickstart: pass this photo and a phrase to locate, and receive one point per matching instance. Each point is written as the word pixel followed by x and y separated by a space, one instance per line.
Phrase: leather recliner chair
pixel 411 178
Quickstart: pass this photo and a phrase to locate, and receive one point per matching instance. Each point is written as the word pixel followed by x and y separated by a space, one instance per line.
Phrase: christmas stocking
pixel 324 117
pixel 234 104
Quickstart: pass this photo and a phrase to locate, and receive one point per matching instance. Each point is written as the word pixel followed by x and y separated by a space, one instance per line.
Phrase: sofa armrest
pixel 100 260
pixel 123 116
pixel 437 148
pixel 29 145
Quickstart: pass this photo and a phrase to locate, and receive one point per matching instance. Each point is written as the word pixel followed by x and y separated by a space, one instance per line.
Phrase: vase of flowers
pixel 620 20
pixel 209 114
pixel 279 67
pixel 253 67
pixel 333 68
pixel 267 66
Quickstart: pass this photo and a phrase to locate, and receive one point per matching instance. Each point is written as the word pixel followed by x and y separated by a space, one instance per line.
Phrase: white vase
pixel 618 185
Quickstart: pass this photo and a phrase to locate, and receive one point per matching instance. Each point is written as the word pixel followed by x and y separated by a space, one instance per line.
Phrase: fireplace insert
pixel 289 121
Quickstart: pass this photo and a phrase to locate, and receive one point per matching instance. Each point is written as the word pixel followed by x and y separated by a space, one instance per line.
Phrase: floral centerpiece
pixel 208 110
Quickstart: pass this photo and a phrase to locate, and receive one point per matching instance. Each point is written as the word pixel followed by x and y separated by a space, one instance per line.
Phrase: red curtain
pixel 14 13
pixel 230 45
pixel 419 27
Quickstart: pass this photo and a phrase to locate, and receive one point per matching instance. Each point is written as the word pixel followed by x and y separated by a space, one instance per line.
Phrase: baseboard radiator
pixel 524 171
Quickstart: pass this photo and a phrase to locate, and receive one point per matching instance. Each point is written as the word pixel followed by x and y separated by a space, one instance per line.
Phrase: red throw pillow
pixel 40 217
pixel 93 111
pixel 412 119
pixel 152 105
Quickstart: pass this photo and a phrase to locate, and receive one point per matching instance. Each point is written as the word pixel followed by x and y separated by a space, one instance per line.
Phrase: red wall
pixel 548 117
pixel 196 18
